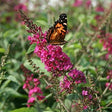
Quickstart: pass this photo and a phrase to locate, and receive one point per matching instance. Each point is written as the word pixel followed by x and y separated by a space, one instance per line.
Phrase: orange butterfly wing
pixel 56 34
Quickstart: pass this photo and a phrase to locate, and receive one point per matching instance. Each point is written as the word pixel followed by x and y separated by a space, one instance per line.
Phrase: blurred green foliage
pixel 13 33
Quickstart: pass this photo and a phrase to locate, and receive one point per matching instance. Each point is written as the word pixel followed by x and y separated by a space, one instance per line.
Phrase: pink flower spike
pixel 78 3
pixel 40 97
pixel 25 86
pixel 88 3
pixel 99 9
pixel 85 107
pixel 21 7
pixel 31 100
pixel 77 76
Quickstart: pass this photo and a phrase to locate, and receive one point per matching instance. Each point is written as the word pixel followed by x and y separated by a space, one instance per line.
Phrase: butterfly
pixel 56 33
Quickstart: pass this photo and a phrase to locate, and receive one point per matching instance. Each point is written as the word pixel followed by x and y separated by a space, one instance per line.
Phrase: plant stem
pixel 63 105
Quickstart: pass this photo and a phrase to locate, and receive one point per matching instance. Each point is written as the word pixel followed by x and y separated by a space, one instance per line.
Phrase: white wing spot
pixel 64 23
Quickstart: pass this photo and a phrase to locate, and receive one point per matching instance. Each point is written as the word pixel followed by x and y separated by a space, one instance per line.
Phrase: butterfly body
pixel 56 33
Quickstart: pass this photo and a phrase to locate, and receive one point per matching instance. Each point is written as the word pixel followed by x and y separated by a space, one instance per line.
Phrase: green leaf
pixel 91 20
pixel 31 48
pixel 68 103
pixel 72 97
pixel 11 34
pixel 103 103
pixel 42 22
pixel 102 79
pixel 48 109
pixel 12 78
pixel 101 54
pixel 97 44
pixel 77 45
pixel 2 50
pixel 25 109
pixel 69 36
pixel 11 92
pixel 82 18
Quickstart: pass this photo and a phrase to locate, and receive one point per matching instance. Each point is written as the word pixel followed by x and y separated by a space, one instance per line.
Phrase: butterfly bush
pixel 75 77
pixel 109 77
pixel 107 43
pixel 89 97
pixel 34 92
pixel 31 85
pixel 78 3
pixel 56 61
pixel 52 56
pixel 105 38
pixel 21 7
pixel 99 10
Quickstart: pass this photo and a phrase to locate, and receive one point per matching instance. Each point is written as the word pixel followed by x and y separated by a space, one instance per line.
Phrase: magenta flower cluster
pixel 107 44
pixel 88 97
pixel 21 6
pixel 85 93
pixel 74 77
pixel 34 92
pixel 56 61
pixel 78 3
pixel 77 76
pixel 99 8
pixel 53 57
pixel 109 77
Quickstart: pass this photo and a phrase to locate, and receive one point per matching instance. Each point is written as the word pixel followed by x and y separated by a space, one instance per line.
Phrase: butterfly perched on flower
pixel 56 33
